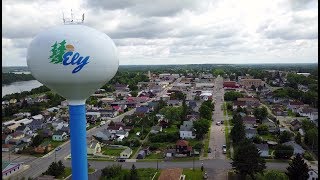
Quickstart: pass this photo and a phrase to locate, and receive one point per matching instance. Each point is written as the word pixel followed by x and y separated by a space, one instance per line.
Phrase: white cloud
pixel 177 31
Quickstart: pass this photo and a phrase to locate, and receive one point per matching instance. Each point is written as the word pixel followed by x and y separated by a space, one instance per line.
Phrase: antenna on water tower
pixel 72 19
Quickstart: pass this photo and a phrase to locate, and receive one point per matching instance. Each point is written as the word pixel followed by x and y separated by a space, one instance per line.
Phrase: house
pixel 26 139
pixel 59 136
pixel 170 153
pixel 263 150
pixel 93 147
pixel 295 105
pixel 311 113
pixel 247 83
pixel 6 138
pixel 249 121
pixel 47 133
pixel 237 104
pixel 186 130
pixel 114 129
pixel 10 168
pixel 182 147
pixel 108 113
pixel 93 114
pixel 37 117
pixel 272 126
pixel 7 147
pixel 22 129
pixel 18 135
pixel 142 110
pixel 141 154
pixel 13 127
pixel 171 174
pixel 20 147
pixel 42 148
pixel 125 154
pixel 36 124
pixel 295 125
pixel 250 101
pixel 122 133
pixel 156 129
pixel 313 174
pixel 65 129
pixel 104 135
pixel 250 133
pixel 296 147
pixel 230 85
pixel 174 103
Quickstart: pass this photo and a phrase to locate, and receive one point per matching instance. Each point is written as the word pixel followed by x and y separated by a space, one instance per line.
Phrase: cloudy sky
pixel 176 31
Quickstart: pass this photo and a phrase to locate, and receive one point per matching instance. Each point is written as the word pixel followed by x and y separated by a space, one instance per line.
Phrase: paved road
pixel 217 136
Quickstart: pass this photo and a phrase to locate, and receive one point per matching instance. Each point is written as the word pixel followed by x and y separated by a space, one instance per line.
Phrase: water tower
pixel 74 60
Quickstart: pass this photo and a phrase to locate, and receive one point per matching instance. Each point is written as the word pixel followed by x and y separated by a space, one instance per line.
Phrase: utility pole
pixel 157 164
pixel 193 161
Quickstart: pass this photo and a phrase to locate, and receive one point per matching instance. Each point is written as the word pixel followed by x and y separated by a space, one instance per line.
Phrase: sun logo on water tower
pixel 65 55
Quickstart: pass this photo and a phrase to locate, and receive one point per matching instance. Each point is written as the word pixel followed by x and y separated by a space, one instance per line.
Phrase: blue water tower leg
pixel 78 136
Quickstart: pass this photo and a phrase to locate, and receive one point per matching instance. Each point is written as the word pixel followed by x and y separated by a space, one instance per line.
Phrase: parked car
pixel 209 150
pixel 102 123
pixel 121 160
pixel 218 123
pixel 221 122
pixel 224 149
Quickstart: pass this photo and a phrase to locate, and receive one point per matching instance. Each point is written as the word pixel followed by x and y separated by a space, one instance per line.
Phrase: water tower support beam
pixel 79 160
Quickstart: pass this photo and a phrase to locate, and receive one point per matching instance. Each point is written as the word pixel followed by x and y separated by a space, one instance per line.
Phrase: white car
pixel 218 123
pixel 224 149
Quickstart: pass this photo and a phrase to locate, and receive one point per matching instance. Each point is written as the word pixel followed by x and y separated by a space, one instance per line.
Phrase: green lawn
pixel 112 152
pixel 171 129
pixel 206 142
pixel 155 156
pixel 226 123
pixel 186 159
pixel 269 137
pixel 68 171
pixel 147 173
pixel 193 175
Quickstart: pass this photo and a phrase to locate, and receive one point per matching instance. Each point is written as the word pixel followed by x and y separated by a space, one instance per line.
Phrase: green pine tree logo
pixel 57 52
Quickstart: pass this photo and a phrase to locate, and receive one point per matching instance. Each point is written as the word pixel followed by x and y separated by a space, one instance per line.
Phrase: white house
pixel 59 136
pixel 126 153
pixel 313 174
pixel 186 130
pixel 10 168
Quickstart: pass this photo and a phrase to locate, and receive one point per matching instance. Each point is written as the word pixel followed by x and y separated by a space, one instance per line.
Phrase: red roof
pixel 182 143
pixel 230 84
pixel 249 118
pixel 296 103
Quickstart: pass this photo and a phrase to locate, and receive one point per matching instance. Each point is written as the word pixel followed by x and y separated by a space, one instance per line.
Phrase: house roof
pixel 170 174
pixel 17 133
pixel 295 122
pixel 59 132
pixel 186 126
pixel 142 109
pixel 126 151
pixel 295 146
pixel 156 128
pixel 182 143
pixel 262 147
pixel 296 103
pixel 239 103
pixel 249 118
pixel 247 99
pixel 114 127
pixel 251 131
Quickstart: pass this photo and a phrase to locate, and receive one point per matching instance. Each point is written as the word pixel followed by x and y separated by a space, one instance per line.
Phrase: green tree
pixel 133 173
pixel 298 169
pixel 61 50
pixel 260 113
pixel 201 127
pixel 238 133
pixel 134 93
pixel 217 72
pixel 205 112
pixel 54 51
pixel 184 111
pixel 311 138
pixel 173 114
pixel 298 138
pixel 37 140
pixel 55 169
pixel 283 151
pixel 263 129
pixel 285 136
pixel 111 171
pixel 232 95
pixel 247 160
pixel 274 175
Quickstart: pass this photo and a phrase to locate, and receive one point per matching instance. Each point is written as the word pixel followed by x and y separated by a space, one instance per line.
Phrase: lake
pixel 18 87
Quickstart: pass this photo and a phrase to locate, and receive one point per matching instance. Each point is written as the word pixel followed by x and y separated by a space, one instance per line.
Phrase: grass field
pixel 193 175
pixel 112 152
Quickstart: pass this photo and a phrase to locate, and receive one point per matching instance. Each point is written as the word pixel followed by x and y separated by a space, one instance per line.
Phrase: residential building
pixel 171 174
pixel 186 130
pixel 93 147
pixel 59 136
pixel 313 174
pixel 104 135
pixel 250 133
pixel 296 147
pixel 125 154
pixel 182 147
pixel 36 124
pixel 247 83
pixel 263 149
pixel 6 138
pixel 156 129
pixel 10 168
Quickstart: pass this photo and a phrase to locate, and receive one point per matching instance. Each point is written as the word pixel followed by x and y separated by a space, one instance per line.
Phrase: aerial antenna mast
pixel 73 19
